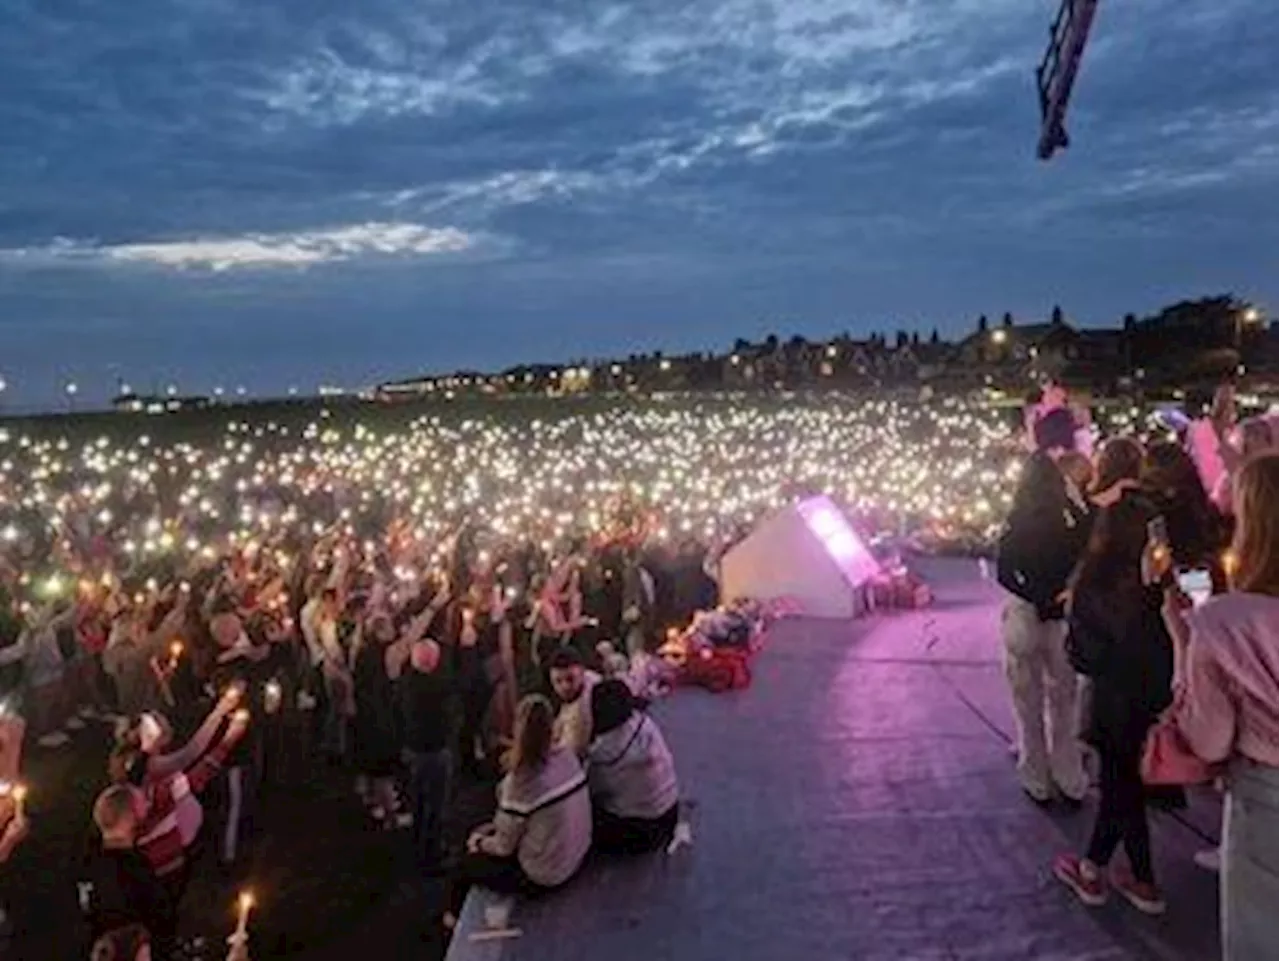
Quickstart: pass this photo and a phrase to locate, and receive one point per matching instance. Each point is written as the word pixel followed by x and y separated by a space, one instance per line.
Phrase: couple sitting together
pixel 598 775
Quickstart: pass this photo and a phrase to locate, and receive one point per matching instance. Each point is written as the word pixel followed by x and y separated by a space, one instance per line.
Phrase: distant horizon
pixel 278 195
pixel 86 401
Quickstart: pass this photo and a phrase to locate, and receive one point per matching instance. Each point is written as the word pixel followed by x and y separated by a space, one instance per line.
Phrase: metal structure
pixel 1056 74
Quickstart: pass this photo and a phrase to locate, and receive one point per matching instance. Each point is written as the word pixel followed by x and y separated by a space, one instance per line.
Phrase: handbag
pixel 1167 758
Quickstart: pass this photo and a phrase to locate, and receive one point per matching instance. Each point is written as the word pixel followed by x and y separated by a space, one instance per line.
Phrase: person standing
pixel 1042 539
pixel 1118 641
pixel 425 711
pixel 1227 659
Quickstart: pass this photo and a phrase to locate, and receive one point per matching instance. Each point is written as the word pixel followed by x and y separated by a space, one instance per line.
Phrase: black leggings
pixel 503 875
pixel 612 834
pixel 1122 812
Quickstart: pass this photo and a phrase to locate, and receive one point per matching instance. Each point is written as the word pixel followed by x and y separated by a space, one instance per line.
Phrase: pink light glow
pixel 842 544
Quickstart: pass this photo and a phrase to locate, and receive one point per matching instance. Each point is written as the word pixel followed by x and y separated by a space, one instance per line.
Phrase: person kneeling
pixel 542 831
pixel 635 796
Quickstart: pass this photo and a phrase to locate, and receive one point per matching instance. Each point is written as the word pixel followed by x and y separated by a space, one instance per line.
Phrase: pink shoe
pixel 1082 877
pixel 1143 895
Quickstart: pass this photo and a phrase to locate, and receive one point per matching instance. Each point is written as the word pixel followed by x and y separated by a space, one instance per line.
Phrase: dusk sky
pixel 295 192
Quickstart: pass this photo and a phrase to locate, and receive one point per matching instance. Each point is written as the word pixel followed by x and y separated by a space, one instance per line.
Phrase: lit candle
pixel 246 905
pixel 175 652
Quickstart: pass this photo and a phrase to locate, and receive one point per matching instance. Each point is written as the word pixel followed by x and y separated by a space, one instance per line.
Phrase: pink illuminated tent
pixel 807 552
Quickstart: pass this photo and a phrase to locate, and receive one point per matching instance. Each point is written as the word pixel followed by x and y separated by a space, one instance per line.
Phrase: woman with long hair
pixel 542 831
pixel 1117 640
pixel 1197 531
pixel 1227 659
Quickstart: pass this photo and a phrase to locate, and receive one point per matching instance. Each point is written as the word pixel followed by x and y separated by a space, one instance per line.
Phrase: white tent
pixel 807 552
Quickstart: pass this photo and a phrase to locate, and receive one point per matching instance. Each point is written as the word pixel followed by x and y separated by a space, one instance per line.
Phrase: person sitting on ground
pixel 542 831
pixel 572 683
pixel 635 797
pixel 119 889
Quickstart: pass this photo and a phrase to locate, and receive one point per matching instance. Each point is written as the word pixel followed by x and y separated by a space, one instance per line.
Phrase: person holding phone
pixel 1117 641
pixel 1227 658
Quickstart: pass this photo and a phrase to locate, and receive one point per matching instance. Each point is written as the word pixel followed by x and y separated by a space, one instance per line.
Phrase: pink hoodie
pixel 1229 704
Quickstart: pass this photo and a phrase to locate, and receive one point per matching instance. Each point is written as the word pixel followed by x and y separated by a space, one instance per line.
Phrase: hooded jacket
pixel 631 772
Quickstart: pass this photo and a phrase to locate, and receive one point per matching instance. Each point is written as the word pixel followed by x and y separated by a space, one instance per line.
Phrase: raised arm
pixel 164 765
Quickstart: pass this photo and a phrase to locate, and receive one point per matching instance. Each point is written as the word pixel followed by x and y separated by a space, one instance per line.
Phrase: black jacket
pixel 118 889
pixel 1116 637
pixel 1042 538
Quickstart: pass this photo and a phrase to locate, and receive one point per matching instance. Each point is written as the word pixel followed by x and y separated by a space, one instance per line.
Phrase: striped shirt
pixel 160 834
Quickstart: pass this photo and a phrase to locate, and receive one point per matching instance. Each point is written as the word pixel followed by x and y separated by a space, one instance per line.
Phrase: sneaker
pixel 1210 859
pixel 1040 795
pixel 1082 877
pixel 1143 895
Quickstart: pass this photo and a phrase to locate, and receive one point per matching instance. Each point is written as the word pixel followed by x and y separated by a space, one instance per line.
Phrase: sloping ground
pixel 859 802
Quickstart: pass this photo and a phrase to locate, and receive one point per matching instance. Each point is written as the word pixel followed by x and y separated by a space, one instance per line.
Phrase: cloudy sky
pixel 290 192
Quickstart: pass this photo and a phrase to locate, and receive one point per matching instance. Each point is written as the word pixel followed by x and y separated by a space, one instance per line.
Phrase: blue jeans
pixel 1248 887
pixel 430 778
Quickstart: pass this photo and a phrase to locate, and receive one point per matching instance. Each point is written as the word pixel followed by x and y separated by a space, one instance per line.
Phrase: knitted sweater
pixel 544 819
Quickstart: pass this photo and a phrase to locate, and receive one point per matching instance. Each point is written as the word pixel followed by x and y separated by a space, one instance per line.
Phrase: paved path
pixel 858 802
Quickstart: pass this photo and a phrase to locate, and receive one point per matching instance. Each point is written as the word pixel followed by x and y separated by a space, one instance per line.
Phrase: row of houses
pixel 1192 341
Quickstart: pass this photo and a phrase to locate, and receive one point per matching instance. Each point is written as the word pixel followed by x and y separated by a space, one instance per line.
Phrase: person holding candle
pixel 1227 658
pixel 240 666
pixel 159 832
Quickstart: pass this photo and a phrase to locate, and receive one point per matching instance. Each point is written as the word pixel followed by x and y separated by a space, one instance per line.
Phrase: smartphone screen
pixel 1196 584
pixel 1158 532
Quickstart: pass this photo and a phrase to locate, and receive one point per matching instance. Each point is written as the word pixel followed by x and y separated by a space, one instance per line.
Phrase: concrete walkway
pixel 858 802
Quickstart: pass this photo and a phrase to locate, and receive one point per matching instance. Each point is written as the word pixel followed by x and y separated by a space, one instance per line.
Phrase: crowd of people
pixel 418 605
pixel 1135 573
pixel 276 655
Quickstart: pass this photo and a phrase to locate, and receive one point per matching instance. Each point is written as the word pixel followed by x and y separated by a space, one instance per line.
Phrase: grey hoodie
pixel 631 772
